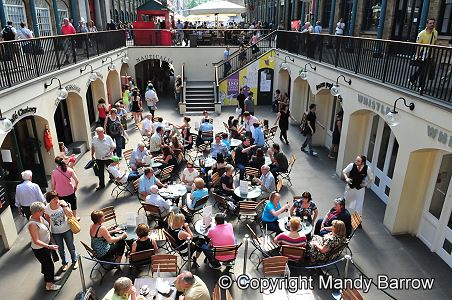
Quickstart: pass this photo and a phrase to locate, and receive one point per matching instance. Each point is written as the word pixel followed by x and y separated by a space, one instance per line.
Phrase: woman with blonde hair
pixel 320 247
pixel 293 237
pixel 198 192
pixel 123 289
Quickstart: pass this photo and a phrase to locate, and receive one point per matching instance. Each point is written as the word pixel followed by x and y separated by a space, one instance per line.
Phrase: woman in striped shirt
pixel 292 238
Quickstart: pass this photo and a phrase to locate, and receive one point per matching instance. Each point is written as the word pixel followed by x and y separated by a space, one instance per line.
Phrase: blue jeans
pixel 68 238
pixel 208 252
pixel 133 175
pixel 118 141
pixel 242 171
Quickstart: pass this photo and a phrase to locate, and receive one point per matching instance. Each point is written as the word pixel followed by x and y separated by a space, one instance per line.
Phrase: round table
pixel 150 161
pixel 253 192
pixel 208 162
pixel 173 191
pixel 235 142
pixel 303 229
pixel 201 229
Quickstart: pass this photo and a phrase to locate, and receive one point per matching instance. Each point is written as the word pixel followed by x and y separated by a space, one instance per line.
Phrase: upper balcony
pixel 383 61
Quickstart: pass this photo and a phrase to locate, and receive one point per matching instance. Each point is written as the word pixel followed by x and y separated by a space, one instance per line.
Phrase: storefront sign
pixel 21 112
pixel 442 137
pixel 374 104
pixel 326 85
pixel 154 56
pixel 72 88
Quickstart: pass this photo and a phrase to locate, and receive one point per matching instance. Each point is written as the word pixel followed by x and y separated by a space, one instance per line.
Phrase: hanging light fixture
pixel 111 66
pixel 335 90
pixel 304 72
pixel 393 117
pixel 285 65
pixel 92 76
pixel 61 92
pixel 125 58
pixel 5 124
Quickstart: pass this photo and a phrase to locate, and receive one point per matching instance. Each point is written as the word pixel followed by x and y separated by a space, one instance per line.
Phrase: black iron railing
pixel 27 59
pixel 386 61
pixel 241 58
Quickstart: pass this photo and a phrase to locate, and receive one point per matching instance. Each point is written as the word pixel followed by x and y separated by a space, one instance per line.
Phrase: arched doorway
pixel 78 124
pixel 327 107
pixel 63 10
pixel 284 81
pixel 94 92
pixel 113 87
pixel 299 98
pixel 159 72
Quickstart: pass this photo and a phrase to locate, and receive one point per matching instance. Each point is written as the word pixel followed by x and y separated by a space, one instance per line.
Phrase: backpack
pixel 8 34
pixel 114 127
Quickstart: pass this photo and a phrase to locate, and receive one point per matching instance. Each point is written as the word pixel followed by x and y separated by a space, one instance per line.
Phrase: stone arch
pixel 78 125
pixel 113 86
pixel 97 90
pixel 284 81
pixel 299 98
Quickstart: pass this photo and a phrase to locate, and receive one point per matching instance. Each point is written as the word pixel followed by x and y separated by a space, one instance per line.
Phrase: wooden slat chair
pixel 279 186
pixel 167 263
pixel 260 247
pixel 215 180
pixel 248 210
pixel 290 251
pixel 269 138
pixel 221 203
pixel 286 175
pixel 274 266
pixel 351 294
pixel 231 250
pixel 216 293
pixel 140 258
pixel 152 213
pixel 200 150
pixel 357 220
pixel 166 174
pixel 172 247
pixel 228 295
pixel 109 217
pixel 251 172
pixel 136 189
pixel 127 154
pixel 236 170
pixel 105 266
pixel 200 204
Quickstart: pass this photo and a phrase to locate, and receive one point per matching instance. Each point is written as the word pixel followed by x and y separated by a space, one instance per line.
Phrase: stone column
pixel 351 27
pixel 98 15
pixel 34 18
pixel 424 15
pixel 57 17
pixel 331 23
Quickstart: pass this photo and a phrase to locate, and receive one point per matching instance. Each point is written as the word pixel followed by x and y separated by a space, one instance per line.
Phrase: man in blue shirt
pixel 258 136
pixel 206 131
pixel 218 147
pixel 147 180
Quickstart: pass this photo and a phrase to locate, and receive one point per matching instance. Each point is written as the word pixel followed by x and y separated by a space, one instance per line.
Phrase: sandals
pixel 53 287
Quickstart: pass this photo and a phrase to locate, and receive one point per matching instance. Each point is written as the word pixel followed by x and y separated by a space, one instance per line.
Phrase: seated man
pixel 120 176
pixel 158 123
pixel 266 182
pixel 258 136
pixel 206 131
pixel 279 163
pixel 218 147
pixel 338 212
pixel 191 286
pixel 242 156
pixel 155 199
pixel 220 235
pixel 147 180
pixel 147 128
pixel 136 159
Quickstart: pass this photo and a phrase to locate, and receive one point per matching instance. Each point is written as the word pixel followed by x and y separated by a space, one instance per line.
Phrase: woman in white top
pixel 56 213
pixel 91 26
pixel 188 175
pixel 40 244
pixel 340 27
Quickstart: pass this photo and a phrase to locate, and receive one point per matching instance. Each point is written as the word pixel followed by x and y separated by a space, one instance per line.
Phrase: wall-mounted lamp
pixel 125 58
pixel 285 65
pixel 5 124
pixel 92 75
pixel 111 66
pixel 335 90
pixel 61 93
pixel 304 72
pixel 393 117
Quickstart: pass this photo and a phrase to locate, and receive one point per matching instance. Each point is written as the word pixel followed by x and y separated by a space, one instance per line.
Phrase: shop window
pixel 377 181
pixel 441 186
pixel 445 18
pixel 447 246
pixel 372 138
pixel 371 15
pixel 15 11
pixel 63 11
pixel 43 16
pixel 387 190
pixel 336 108
pixel 383 147
pixel 392 161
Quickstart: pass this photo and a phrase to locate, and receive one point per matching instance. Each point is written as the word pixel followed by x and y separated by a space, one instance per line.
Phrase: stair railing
pixel 184 81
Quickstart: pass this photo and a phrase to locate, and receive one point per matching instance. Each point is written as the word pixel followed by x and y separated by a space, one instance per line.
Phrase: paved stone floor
pixel 375 251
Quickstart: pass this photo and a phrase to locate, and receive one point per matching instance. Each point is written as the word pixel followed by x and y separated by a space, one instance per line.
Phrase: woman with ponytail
pixel 65 183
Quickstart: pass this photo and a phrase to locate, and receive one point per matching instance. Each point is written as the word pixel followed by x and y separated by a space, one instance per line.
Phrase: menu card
pixel 244 187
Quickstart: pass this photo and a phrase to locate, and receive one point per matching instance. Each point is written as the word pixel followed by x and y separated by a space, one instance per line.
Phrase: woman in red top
pixel 102 108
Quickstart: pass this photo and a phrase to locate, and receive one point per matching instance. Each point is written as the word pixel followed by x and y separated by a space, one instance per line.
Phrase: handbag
pixel 90 164
pixel 74 225
pixel 238 111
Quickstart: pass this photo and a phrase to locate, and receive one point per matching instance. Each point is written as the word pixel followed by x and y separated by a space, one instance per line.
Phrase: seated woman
pixel 167 157
pixel 227 181
pixel 189 174
pixel 143 242
pixel 180 231
pixel 271 212
pixel 236 131
pixel 258 160
pixel 123 289
pixel 187 138
pixel 186 124
pixel 198 192
pixel 321 246
pixel 305 207
pixel 230 121
pixel 103 243
pixel 292 238
pixel 219 165
pixel 176 146
pixel 69 160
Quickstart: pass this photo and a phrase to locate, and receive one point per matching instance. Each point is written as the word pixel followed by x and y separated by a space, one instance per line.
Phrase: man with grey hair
pixel 191 287
pixel 136 159
pixel 266 182
pixel 155 199
pixel 102 148
pixel 26 193
pixel 122 289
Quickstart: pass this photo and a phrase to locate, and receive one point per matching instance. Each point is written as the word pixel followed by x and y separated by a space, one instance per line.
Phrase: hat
pixel 340 201
pixel 115 158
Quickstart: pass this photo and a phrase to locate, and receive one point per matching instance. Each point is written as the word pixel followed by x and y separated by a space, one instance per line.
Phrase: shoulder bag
pixel 74 225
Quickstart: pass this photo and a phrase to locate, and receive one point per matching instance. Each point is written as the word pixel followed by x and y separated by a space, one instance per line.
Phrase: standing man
pixel 9 33
pixel 358 176
pixel 67 29
pixel 26 193
pixel 227 64
pixel 428 36
pixel 249 103
pixel 309 129
pixel 151 100
pixel 102 150
pixel 179 32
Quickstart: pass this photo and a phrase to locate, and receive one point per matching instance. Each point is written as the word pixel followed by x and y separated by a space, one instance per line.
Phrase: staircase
pixel 199 96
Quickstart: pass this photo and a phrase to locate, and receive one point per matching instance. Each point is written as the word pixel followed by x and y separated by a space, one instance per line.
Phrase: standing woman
pixel 114 129
pixel 102 109
pixel 136 106
pixel 56 213
pixel 358 176
pixel 336 135
pixel 65 183
pixel 283 118
pixel 40 244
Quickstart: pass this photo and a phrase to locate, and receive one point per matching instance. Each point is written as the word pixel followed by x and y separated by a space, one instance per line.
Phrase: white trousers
pixel 354 198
